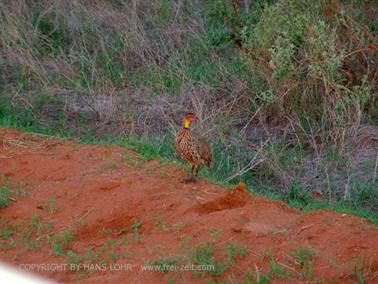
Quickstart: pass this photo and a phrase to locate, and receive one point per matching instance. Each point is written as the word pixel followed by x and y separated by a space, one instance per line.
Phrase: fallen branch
pixel 304 228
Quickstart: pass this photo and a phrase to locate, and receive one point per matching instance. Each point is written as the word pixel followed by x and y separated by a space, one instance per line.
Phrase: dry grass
pixel 280 110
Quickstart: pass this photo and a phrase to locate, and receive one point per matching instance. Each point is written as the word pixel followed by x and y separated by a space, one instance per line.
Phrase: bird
pixel 192 149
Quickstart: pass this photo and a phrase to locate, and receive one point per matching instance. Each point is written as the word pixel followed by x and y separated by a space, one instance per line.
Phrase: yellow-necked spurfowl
pixel 194 150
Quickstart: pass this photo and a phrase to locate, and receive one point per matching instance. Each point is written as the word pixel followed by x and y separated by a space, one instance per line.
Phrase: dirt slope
pixel 124 213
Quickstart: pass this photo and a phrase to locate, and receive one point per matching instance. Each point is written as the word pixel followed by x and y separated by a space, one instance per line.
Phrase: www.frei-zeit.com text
pixel 113 267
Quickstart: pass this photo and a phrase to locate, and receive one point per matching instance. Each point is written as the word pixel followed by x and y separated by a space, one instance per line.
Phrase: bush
pixel 314 60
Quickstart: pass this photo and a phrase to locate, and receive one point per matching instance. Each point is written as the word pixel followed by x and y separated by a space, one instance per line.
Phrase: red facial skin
pixel 191 117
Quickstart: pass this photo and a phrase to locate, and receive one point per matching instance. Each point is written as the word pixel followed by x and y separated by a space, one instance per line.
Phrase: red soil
pixel 105 193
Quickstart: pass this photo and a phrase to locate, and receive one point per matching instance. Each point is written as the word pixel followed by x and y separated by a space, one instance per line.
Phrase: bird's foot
pixel 190 179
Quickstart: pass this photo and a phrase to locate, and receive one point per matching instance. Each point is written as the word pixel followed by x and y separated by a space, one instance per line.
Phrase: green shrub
pixel 309 68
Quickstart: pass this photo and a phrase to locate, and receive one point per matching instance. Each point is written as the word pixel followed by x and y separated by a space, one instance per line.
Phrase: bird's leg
pixel 191 178
pixel 197 169
pixel 192 173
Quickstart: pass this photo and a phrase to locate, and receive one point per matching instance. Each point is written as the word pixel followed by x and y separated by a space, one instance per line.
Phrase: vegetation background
pixel 286 90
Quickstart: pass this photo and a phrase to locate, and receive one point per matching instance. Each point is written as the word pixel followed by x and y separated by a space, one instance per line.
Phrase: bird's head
pixel 189 117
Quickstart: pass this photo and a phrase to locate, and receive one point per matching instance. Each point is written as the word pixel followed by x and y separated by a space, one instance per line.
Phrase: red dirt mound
pixel 106 216
pixel 234 198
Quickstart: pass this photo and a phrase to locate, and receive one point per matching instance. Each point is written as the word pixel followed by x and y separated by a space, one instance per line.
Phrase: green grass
pixel 59 243
pixel 136 226
pixel 304 257
pixel 203 255
pixel 112 256
pixel 72 259
pixel 160 225
pixel 211 261
pixel 235 251
pixel 6 233
pixel 5 190
pixel 10 191
pixel 257 277
pixel 127 254
pixel 362 271
pixel 52 205
pixel 278 270
pixel 164 263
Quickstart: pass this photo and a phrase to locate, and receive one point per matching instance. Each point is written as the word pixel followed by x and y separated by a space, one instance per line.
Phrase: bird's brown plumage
pixel 194 150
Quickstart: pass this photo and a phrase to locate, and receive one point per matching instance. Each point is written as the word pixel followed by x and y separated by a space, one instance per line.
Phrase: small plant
pixel 277 269
pixel 101 250
pixel 105 232
pixel 135 227
pixel 361 271
pixel 235 251
pixel 72 260
pixel 110 242
pixel 48 226
pixel 203 255
pixel 60 242
pixel 17 255
pixel 124 240
pixel 127 254
pixel 34 229
pixel 57 248
pixel 35 225
pixel 5 190
pixel 10 244
pixel 160 225
pixel 7 193
pixel 113 256
pixel 5 233
pixel 257 277
pixel 214 233
pixel 52 205
pixel 304 257
pixel 33 245
pixel 66 237
pixel 112 165
pixel 81 222
pixel 164 264
pixel 90 254
pixel 171 279
pixel 25 236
